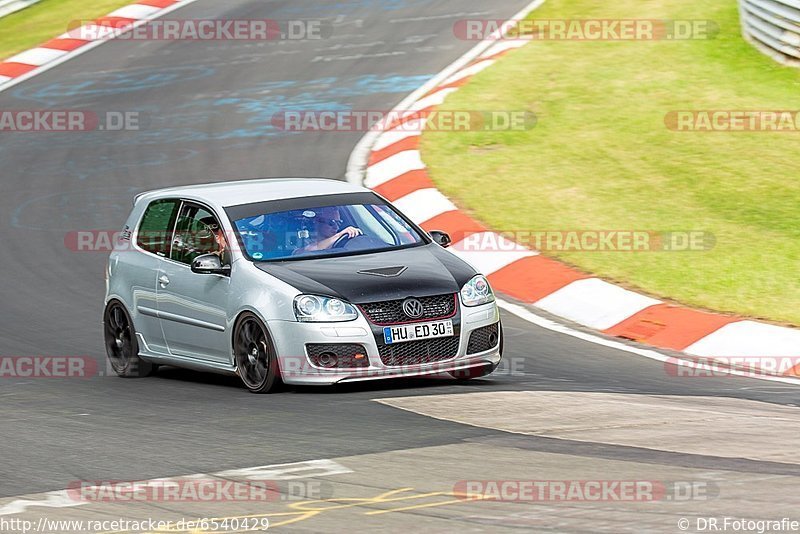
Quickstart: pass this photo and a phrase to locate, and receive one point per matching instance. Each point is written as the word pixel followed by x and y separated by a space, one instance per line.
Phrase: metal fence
pixel 773 26
pixel 10 6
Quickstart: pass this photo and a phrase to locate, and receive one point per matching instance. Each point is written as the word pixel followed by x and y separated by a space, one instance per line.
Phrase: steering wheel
pixel 339 243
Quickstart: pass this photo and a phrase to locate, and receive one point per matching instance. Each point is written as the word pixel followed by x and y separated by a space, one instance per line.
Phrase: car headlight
pixel 476 292
pixel 315 309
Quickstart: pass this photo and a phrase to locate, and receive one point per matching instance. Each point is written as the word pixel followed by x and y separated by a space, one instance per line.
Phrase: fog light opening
pixel 327 360
pixel 493 339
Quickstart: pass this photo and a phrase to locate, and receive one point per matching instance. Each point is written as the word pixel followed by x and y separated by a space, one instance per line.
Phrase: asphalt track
pixel 206 110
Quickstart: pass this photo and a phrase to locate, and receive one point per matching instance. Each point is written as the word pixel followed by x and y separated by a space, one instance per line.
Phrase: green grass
pixel 601 157
pixel 50 18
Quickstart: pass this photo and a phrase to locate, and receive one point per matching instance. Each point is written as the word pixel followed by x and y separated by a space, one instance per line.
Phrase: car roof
pixel 235 193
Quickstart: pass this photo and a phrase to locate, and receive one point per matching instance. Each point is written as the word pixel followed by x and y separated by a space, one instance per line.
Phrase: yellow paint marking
pixel 427 505
pixel 308 509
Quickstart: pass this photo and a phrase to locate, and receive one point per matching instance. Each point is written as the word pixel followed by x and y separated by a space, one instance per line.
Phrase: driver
pixel 326 226
pixel 218 245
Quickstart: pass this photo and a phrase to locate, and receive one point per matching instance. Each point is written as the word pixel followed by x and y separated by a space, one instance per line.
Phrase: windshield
pixel 323 230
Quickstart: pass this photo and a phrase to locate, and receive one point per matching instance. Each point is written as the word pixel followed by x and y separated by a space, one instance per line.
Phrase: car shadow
pixel 378 386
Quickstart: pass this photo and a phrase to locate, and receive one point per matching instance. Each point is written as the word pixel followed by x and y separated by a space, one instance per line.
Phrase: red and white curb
pixel 31 62
pixel 388 161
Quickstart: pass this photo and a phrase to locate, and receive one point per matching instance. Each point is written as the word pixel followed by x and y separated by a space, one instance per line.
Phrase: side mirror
pixel 441 238
pixel 210 264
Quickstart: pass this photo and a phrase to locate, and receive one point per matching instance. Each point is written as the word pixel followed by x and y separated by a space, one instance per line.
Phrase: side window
pixel 198 232
pixel 155 230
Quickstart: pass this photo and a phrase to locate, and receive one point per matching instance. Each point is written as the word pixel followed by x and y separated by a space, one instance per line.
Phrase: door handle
pixel 163 280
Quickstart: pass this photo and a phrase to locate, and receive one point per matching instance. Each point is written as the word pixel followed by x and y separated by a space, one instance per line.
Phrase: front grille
pixel 345 354
pixel 484 338
pixel 391 311
pixel 419 352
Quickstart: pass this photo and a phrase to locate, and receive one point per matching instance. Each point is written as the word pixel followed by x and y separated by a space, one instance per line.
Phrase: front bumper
pixel 290 339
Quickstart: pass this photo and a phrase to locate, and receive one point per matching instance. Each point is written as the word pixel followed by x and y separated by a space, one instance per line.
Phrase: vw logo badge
pixel 413 308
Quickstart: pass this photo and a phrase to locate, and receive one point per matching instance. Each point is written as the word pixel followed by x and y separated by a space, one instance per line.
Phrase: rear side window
pixel 155 230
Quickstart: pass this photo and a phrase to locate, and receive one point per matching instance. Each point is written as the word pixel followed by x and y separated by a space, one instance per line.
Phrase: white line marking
pixel 290 471
pixel 469 71
pixel 527 315
pixel 52 499
pixel 503 46
pixel 434 99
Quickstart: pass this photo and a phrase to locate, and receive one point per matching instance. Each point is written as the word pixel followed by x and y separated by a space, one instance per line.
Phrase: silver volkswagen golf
pixel 305 281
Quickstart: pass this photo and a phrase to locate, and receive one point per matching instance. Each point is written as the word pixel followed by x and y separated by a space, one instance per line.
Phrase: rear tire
pixel 254 354
pixel 122 347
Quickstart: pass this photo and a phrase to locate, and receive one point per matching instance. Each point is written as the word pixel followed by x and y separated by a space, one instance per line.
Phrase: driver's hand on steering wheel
pixel 350 232
pixel 335 240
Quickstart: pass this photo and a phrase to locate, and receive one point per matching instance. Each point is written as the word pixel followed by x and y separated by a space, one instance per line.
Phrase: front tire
pixel 256 361
pixel 122 347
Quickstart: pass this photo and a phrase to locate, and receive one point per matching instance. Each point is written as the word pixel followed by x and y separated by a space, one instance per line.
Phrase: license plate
pixel 415 332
